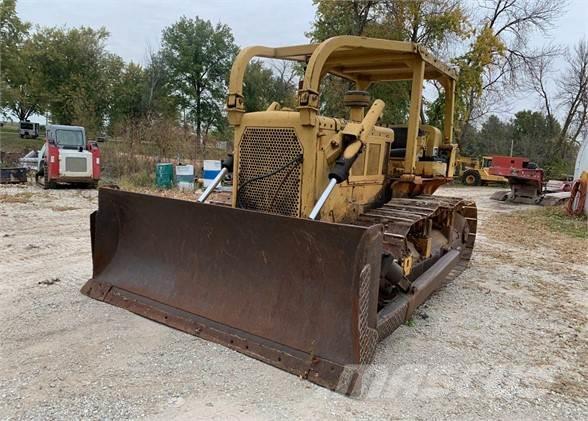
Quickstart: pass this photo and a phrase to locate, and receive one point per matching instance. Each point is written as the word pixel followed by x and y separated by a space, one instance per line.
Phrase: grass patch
pixel 23 197
pixel 540 224
pixel 141 178
pixel 557 220
pixel 14 144
pixel 548 228
pixel 10 141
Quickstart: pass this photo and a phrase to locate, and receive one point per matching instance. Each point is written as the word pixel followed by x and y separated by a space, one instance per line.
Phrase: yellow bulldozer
pixel 333 237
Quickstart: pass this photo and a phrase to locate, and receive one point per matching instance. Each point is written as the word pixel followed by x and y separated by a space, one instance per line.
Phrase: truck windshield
pixel 26 126
pixel 69 138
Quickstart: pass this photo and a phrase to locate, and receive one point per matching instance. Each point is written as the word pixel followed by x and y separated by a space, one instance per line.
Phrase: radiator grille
pixel 263 151
pixel 76 164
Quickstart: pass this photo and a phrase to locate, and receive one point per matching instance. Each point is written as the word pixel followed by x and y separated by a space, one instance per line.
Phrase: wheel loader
pixel 476 172
pixel 333 237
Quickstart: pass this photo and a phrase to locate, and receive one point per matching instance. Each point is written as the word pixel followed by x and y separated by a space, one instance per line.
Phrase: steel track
pixel 402 219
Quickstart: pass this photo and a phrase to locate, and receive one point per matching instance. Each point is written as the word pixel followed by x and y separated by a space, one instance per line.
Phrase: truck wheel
pixel 22 136
pixel 471 178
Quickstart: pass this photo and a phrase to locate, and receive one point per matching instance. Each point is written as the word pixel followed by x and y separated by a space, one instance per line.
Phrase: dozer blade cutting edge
pixel 298 294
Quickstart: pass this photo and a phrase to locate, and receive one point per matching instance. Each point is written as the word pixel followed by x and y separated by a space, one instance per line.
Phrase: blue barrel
pixel 164 176
pixel 210 170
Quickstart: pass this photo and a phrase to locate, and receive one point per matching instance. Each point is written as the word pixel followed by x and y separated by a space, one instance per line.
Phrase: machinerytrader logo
pixel 421 381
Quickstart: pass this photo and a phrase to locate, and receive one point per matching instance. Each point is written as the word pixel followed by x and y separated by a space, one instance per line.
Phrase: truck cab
pixel 67 157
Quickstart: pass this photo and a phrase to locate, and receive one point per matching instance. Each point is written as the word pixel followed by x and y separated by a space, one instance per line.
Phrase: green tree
pixel 13 31
pixel 77 74
pixel 433 23
pixel 493 138
pixel 531 134
pixel 262 86
pixel 498 53
pixel 535 136
pixel 198 57
pixel 10 23
pixel 334 18
pixel 159 101
pixel 22 90
pixel 19 90
pixel 129 94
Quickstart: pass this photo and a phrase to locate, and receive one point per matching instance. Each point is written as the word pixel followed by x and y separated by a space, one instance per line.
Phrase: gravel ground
pixel 507 339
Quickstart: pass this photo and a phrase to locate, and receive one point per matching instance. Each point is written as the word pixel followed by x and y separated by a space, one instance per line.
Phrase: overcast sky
pixel 135 25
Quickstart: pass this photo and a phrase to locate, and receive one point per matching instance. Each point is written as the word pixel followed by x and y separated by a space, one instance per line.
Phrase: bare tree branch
pixel 573 88
pixel 572 92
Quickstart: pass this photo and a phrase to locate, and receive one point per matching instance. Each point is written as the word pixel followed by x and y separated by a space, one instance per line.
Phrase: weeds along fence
pixel 129 158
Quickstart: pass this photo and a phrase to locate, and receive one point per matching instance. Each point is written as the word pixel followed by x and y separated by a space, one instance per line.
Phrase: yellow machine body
pixel 427 156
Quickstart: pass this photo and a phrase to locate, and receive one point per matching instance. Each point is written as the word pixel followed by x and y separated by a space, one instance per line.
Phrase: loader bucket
pixel 297 294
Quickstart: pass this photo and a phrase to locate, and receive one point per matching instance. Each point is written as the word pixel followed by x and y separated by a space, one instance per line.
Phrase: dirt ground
pixel 507 339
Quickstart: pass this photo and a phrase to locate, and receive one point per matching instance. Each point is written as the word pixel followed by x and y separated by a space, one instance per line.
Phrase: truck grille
pixel 76 164
pixel 263 151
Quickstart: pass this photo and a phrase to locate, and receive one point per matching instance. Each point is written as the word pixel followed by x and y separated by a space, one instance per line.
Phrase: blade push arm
pixel 354 136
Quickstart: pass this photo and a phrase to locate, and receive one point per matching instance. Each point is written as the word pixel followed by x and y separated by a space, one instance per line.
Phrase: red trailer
pixel 526 182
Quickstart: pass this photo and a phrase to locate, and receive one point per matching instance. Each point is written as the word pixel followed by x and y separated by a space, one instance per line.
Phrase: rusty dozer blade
pixel 298 294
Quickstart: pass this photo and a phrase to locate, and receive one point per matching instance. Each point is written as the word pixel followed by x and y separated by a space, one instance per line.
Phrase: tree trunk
pixel 198 114
pixel 22 113
pixel 198 123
